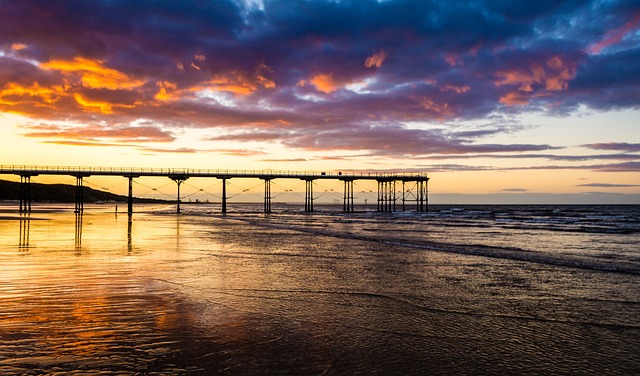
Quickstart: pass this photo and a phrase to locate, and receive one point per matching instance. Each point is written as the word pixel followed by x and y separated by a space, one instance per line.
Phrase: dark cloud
pixel 384 140
pixel 608 185
pixel 316 75
pixel 620 146
pixel 613 167
pixel 554 157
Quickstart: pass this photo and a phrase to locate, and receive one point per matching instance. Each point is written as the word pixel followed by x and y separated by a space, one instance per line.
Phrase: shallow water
pixel 327 293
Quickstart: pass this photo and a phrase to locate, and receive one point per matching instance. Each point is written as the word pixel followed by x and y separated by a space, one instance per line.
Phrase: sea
pixel 457 290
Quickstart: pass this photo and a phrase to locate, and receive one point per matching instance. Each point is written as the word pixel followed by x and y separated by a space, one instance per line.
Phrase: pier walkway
pixel 387 183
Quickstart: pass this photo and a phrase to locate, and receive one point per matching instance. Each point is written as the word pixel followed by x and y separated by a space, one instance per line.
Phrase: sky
pixel 498 101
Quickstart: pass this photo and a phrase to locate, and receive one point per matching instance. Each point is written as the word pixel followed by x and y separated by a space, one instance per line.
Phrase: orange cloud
pixel 97 106
pixel 514 98
pixel 440 109
pixel 96 133
pixel 536 81
pixel 93 74
pixel 238 83
pixel 164 92
pixel 457 89
pixel 14 94
pixel 18 46
pixel 232 83
pixel 324 83
pixel 614 36
pixel 261 76
pixel 375 60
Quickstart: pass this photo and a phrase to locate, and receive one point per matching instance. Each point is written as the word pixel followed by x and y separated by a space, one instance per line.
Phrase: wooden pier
pixel 387 184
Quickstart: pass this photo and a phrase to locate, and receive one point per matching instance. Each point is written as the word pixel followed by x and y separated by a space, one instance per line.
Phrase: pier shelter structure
pixel 413 186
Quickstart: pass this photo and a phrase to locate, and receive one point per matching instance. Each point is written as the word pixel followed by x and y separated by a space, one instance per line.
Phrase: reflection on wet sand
pixel 25 225
pixel 180 294
pixel 78 233
pixel 129 226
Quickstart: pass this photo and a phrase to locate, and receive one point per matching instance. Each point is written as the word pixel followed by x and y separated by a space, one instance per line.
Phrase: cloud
pixel 375 60
pixel 177 151
pixel 380 141
pixel 620 146
pixel 92 73
pixel 125 134
pixel 608 185
pixel 84 143
pixel 553 157
pixel 324 82
pixel 318 76
pixel 615 35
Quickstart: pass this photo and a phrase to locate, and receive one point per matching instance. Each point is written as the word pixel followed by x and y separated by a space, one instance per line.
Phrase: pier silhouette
pixel 387 183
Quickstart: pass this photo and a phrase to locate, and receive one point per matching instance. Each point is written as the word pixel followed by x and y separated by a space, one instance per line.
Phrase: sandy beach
pixel 212 294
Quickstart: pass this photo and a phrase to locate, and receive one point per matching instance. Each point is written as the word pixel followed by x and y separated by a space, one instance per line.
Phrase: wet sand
pixel 194 294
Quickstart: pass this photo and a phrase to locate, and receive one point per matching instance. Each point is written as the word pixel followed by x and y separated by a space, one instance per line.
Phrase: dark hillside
pixel 61 193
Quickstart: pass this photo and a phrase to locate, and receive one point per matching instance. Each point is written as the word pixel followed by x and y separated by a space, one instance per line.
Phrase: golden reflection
pixel 129 226
pixel 25 226
pixel 78 235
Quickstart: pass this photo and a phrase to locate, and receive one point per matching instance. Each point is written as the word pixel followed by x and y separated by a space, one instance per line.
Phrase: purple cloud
pixel 620 146
pixel 608 185
pixel 320 75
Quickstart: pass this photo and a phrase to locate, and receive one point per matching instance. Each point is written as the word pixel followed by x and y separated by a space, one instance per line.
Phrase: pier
pixel 389 183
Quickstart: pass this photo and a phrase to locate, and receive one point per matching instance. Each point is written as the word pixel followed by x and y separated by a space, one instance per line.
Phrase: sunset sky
pixel 499 101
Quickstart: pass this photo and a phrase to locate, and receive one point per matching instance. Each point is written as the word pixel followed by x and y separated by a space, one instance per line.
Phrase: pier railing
pixel 192 172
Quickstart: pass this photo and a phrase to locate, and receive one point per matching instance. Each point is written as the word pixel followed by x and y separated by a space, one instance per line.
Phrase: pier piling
pixel 224 195
pixel 179 179
pixel 25 193
pixel 308 196
pixel 267 195
pixel 79 195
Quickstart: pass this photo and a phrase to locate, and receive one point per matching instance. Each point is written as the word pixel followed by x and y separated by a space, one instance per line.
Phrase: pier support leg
pixel 267 195
pixel 422 198
pixel 425 195
pixel 179 179
pixel 403 195
pixel 347 201
pixel 224 195
pixel 130 197
pixel 380 195
pixel 25 194
pixel 308 196
pixel 386 195
pixel 393 198
pixel 79 195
